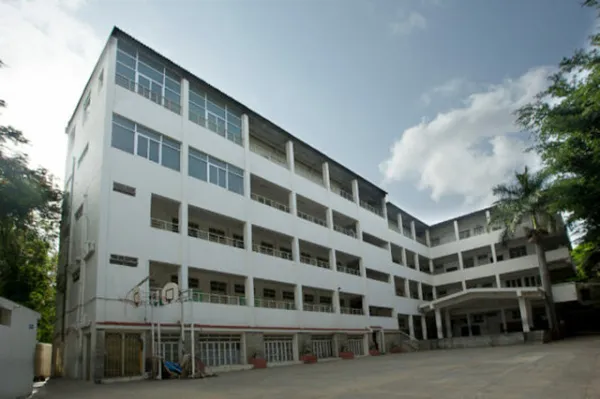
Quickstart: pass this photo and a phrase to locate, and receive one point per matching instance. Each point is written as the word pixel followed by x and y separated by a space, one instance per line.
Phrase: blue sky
pixel 415 95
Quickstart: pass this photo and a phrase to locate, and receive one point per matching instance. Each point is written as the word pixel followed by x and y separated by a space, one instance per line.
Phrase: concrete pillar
pixel 434 292
pixel 424 326
pixel 365 302
pixel 488 219
pixel 420 290
pixel 448 324
pixel 332 259
pixel 289 154
pixel 384 208
pixel 456 230
pixel 469 324
pixel 411 326
pixel 329 218
pixel 358 230
pixel 503 318
pixel 416 260
pixel 427 238
pixel 361 266
pixel 250 291
pixel 292 203
pixel 493 247
pixel 431 267
pixel 438 324
pixel 461 265
pixel 183 227
pixel 246 142
pixel 325 170
pixel 298 297
pixel 464 285
pixel 404 262
pixel 498 281
pixel 336 301
pixel 413 230
pixel 248 236
pixel 407 288
pixel 296 249
pixel 523 308
pixel 355 194
pixel 400 225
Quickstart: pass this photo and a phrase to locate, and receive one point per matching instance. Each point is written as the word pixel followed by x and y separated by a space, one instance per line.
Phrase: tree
pixel 525 203
pixel 565 123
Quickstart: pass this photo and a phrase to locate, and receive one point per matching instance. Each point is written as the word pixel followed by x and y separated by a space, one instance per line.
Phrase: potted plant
pixel 307 356
pixel 373 350
pixel 258 361
pixel 396 348
pixel 345 353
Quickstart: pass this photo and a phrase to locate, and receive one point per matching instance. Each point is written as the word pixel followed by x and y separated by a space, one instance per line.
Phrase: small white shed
pixel 18 329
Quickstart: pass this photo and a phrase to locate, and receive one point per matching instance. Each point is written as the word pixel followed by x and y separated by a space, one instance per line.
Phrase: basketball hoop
pixel 170 293
pixel 137 297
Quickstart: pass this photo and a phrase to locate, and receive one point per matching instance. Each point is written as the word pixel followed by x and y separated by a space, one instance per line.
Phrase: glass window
pixel 217 162
pixel 122 138
pixel 152 63
pixel 222 178
pixel 149 72
pixel 142 146
pixel 170 157
pixel 126 72
pixel 214 174
pixel 197 167
pixel 197 110
pixel 126 59
pixel 215 109
pixel 126 47
pixel 173 85
pixel 153 151
pixel 236 183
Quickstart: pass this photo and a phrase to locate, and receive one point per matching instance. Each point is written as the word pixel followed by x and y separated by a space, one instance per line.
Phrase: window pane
pixel 172 96
pixel 223 178
pixel 142 146
pixel 236 183
pixel 147 132
pixel 198 154
pixel 234 130
pixel 153 153
pixel 151 62
pixel 170 142
pixel 126 59
pixel 143 81
pixel 122 138
pixel 232 118
pixel 124 122
pixel 215 161
pixel 215 109
pixel 125 71
pixel 197 97
pixel 126 47
pixel 197 111
pixel 197 168
pixel 214 174
pixel 170 157
pixel 173 84
pixel 235 169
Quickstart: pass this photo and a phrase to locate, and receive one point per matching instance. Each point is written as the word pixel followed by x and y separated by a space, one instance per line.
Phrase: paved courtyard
pixel 563 370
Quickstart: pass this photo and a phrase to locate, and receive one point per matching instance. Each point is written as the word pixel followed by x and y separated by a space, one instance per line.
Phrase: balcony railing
pixel 314 262
pixel 198 296
pixel 273 304
pixel 149 94
pixel 343 230
pixel 348 270
pixel 395 227
pixel 271 252
pixel 270 202
pixel 164 225
pixel 406 231
pixel 355 311
pixel 218 129
pixel 272 156
pixel 343 193
pixel 311 218
pixel 313 307
pixel 436 241
pixel 212 237
pixel 371 208
pixel 464 234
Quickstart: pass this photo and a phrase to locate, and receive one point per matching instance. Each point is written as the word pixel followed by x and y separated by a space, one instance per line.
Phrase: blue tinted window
pixel 170 157
pixel 142 146
pixel 122 138
pixel 126 59
pixel 235 183
pixel 153 152
pixel 197 168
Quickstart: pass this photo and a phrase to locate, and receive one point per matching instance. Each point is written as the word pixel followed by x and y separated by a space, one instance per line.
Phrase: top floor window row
pixel 148 77
pixel 212 114
pixel 134 138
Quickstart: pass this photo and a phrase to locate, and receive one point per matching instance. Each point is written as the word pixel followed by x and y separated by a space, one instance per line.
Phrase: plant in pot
pixel 258 360
pixel 345 353
pixel 307 354
pixel 373 351
pixel 396 348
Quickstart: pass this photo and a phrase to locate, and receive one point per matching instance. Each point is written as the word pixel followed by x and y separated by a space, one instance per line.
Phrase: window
pixel 468 263
pixel 147 76
pixel 124 189
pixel 268 293
pixel 308 298
pixel 123 260
pixel 482 259
pixel 79 212
pixel 5 316
pixel 208 168
pixel 325 300
pixel 477 318
pixel 83 153
pixel 86 103
pixel 210 113
pixel 193 283
pixel 100 79
pixel 127 135
pixel 239 289
pixel 517 252
pixel 288 295
pixel 286 251
pixel 478 230
pixel 499 258
pixel 239 240
pixel 216 235
pixel 218 287
pixel 464 234
pixel 75 275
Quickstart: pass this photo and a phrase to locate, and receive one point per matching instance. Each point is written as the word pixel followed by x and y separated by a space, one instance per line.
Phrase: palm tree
pixel 526 200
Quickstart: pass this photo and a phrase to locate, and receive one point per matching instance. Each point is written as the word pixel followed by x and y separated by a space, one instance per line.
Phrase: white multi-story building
pixel 274 247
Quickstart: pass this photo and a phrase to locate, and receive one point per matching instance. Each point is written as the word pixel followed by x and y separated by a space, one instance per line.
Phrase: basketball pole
pixel 193 350
pixel 160 353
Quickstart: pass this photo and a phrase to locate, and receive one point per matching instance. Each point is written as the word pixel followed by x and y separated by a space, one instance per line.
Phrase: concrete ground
pixel 563 370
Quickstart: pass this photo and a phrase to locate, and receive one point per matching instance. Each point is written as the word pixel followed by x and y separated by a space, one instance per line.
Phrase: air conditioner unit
pixel 88 249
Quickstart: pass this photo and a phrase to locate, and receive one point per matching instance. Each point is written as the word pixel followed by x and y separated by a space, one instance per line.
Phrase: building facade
pixel 274 249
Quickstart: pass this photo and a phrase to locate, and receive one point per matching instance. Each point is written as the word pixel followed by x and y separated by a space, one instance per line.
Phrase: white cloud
pixel 49 56
pixel 451 87
pixel 407 23
pixel 467 150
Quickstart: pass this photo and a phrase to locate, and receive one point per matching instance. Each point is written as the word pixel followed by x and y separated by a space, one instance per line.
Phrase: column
pixel 358 230
pixel 365 303
pixel 289 154
pixel 249 291
pixel 292 203
pixel 424 326
pixel 361 266
pixel 503 318
pixel 498 281
pixel 407 288
pixel 248 236
pixel 332 259
pixel 245 130
pixel 448 324
pixel 404 256
pixel 460 261
pixel 183 269
pixel 298 297
pixel 464 285
pixel 411 326
pixel 329 218
pixel 493 247
pixel 384 207
pixel 416 259
pixel 336 301
pixel 420 290
pixel 355 194
pixel 434 292
pixel 413 231
pixel 427 238
pixel 246 142
pixel 523 308
pixel 400 223
pixel 438 324
pixel 296 249
pixel 488 219
pixel 456 230
pixel 469 324
pixel 326 180
pixel 431 267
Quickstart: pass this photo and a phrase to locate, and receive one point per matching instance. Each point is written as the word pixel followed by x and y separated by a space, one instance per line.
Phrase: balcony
pixel 442 234
pixel 317 300
pixel 413 289
pixel 271 243
pixel 351 304
pixel 371 208
pixel 344 224
pixel 446 264
pixel 477 257
pixel 378 242
pixel 274 295
pixel 347 263
pixel 448 289
pixel 400 286
pixel 207 286
pixel 411 263
pixel 269 194
pixel 311 211
pixel 215 228
pixel 343 191
pixel 145 92
pixel 274 154
pixel 485 282
pixel 164 213
pixel 315 255
pixel 312 172
pixel 274 304
pixel 377 275
pixel 378 311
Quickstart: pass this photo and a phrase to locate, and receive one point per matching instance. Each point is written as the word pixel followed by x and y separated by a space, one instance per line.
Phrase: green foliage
pixel 586 258
pixel 29 216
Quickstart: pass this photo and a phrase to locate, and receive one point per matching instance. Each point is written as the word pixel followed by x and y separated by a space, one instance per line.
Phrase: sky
pixel 418 96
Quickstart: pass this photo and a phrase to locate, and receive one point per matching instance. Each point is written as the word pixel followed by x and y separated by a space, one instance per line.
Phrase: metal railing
pixel 205 235
pixel 464 234
pixel 218 129
pixel 274 157
pixel 147 93
pixel 311 218
pixel 164 225
pixel 479 230
pixel 355 311
pixel 314 307
pixel 273 304
pixel 343 230
pixel 270 202
pixel 410 341
pixel 371 208
pixel 348 270
pixel 199 296
pixel 344 194
pixel 271 252
pixel 314 262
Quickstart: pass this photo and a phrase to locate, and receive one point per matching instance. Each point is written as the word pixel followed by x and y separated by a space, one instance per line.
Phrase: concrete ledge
pixel 474 342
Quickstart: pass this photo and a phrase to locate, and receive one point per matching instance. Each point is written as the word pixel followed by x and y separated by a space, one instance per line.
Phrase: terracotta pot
pixel 308 359
pixel 374 352
pixel 258 362
pixel 347 355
